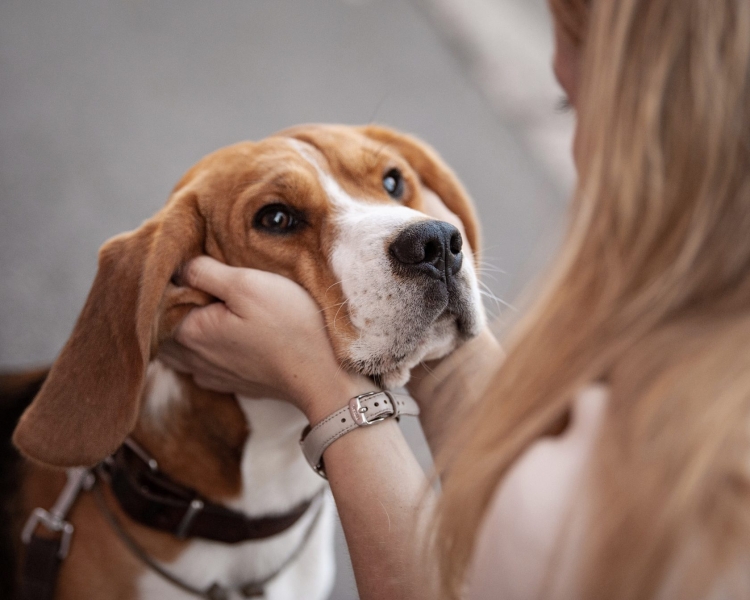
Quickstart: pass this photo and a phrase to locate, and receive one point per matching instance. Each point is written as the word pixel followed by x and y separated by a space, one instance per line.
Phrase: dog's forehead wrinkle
pixel 376 153
pixel 333 189
pixel 244 184
pixel 307 151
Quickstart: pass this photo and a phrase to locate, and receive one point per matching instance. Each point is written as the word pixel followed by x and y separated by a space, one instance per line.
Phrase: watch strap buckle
pixel 359 411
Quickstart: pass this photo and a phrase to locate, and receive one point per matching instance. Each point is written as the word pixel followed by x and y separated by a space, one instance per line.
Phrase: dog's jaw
pixel 400 321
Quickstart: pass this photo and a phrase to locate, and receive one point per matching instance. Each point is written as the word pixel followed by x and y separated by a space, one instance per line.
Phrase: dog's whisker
pixel 325 308
pixel 339 282
pixel 493 274
pixel 483 267
pixel 488 293
pixel 377 107
pixel 337 313
pixel 430 371
pixel 488 276
pixel 338 371
pixel 485 248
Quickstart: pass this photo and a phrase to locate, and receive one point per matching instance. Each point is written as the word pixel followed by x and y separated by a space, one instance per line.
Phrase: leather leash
pixel 151 498
pixel 44 554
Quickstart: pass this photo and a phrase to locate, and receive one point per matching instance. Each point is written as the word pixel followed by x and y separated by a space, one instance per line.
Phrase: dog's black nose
pixel 431 248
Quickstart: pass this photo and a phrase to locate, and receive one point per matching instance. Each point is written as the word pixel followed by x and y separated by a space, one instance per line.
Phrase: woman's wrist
pixel 326 398
pixel 452 385
pixel 456 372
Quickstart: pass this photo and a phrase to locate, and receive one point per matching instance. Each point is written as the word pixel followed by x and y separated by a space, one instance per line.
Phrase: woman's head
pixel 570 19
pixel 657 242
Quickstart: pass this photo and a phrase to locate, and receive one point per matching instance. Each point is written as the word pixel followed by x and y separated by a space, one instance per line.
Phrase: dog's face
pixel 339 212
pixel 337 209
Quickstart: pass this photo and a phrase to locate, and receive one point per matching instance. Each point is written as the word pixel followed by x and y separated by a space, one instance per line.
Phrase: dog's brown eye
pixel 393 183
pixel 277 218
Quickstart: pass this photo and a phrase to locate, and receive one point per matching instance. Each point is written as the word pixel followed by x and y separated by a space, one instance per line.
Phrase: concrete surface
pixel 105 103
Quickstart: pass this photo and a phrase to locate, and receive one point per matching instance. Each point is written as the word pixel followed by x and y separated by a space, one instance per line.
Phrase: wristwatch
pixel 362 411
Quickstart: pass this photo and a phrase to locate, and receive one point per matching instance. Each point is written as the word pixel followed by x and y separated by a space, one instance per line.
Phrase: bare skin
pixel 381 492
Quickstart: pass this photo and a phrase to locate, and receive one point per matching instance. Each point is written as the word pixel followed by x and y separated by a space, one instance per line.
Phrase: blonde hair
pixel 650 293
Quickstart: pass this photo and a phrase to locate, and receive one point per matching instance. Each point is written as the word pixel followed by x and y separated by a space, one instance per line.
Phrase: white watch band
pixel 362 411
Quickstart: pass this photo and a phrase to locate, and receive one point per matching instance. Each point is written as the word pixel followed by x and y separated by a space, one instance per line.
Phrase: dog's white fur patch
pixel 275 474
pixel 164 389
pixel 395 334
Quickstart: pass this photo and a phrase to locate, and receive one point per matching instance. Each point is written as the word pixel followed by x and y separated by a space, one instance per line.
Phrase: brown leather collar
pixel 152 498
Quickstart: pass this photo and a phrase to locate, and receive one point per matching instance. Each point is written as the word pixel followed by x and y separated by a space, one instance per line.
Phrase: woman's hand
pixel 266 338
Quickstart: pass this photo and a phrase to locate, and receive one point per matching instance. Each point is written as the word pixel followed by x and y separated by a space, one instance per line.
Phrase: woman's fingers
pixel 201 325
pixel 186 361
pixel 240 288
pixel 211 276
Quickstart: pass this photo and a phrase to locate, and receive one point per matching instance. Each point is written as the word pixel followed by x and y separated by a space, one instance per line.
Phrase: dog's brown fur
pixel 93 395
pixel 133 304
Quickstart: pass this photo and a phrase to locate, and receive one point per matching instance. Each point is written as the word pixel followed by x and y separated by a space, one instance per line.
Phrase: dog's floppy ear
pixel 435 174
pixel 90 400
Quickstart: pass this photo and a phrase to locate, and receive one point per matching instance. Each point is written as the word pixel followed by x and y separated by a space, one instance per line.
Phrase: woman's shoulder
pixel 528 537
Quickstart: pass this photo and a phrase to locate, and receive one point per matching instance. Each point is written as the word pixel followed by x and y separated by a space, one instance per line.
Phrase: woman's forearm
pixel 382 496
pixel 446 389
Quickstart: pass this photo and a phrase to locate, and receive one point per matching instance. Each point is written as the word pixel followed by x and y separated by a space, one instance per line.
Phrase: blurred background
pixel 105 103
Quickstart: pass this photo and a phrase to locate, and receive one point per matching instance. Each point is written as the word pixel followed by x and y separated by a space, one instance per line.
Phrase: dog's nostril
pixel 457 243
pixel 433 252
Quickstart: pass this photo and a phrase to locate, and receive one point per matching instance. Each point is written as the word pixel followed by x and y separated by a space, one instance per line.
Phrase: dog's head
pixel 337 209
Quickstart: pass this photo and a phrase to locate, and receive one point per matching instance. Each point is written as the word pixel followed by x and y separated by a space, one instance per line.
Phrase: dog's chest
pixel 275 475
pixel 202 564
pixel 275 479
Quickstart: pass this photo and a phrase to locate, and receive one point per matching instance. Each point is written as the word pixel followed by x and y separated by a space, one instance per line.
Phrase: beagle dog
pixel 337 209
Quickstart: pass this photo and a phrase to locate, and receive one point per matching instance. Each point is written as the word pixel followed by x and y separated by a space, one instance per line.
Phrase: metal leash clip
pixel 54 519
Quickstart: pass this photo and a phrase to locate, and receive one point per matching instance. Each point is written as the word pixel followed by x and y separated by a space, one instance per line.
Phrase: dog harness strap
pixel 151 498
pixel 362 411
pixel 40 566
pixel 45 553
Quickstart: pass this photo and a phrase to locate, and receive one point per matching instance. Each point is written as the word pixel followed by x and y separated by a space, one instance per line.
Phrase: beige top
pixel 528 543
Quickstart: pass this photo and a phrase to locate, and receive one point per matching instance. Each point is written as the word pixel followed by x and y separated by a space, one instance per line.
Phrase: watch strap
pixel 362 411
